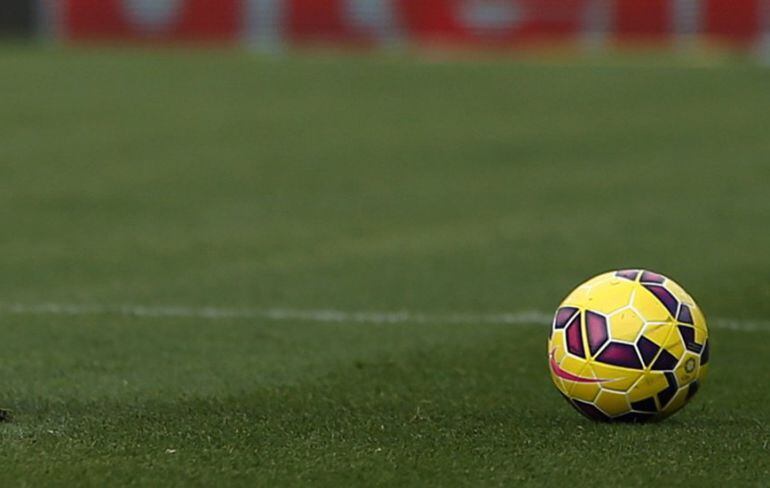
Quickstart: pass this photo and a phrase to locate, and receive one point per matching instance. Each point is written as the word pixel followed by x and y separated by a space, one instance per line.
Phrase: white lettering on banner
pixel 596 24
pixel 686 17
pixel 490 15
pixel 264 22
pixel 763 47
pixel 375 17
pixel 152 15
pixel 50 22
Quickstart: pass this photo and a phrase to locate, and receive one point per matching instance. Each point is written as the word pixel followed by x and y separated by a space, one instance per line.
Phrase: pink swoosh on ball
pixel 558 371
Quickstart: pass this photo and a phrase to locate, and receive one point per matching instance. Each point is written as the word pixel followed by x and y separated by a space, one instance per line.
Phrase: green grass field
pixel 305 183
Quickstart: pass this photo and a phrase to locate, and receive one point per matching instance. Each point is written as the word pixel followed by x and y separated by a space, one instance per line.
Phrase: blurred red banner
pixel 192 20
pixel 643 20
pixel 736 20
pixel 496 22
pixel 506 23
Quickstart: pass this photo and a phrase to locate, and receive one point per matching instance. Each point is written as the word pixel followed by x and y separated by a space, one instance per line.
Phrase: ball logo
pixel 561 373
pixel 152 16
pixel 689 366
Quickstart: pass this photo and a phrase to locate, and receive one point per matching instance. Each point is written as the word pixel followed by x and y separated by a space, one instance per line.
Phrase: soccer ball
pixel 629 345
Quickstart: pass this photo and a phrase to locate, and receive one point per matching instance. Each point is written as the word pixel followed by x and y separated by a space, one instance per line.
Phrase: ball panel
pixel 596 331
pixel 585 391
pixel 647 405
pixel 628 274
pixel 651 277
pixel 635 418
pixel 579 296
pixel 557 344
pixel 692 390
pixel 665 396
pixel 571 364
pixel 700 336
pixel 648 386
pixel 590 411
pixel 687 370
pixel 702 372
pixel 665 361
pixel 672 351
pixel 699 319
pixel 574 336
pixel 559 383
pixel 676 403
pixel 649 307
pixel 625 325
pixel 598 279
pixel 612 403
pixel 648 350
pixel 563 316
pixel 705 355
pixel 679 292
pixel 576 298
pixel 609 296
pixel 685 314
pixel 666 298
pixel 657 333
pixel 687 334
pixel 620 354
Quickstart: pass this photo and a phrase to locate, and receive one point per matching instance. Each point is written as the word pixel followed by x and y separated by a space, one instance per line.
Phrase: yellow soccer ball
pixel 629 345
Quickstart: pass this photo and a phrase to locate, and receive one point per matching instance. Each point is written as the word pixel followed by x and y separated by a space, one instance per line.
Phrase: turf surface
pixel 227 180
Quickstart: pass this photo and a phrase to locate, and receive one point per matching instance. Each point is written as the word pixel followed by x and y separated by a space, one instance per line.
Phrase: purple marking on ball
pixel 619 354
pixel 646 405
pixel 562 317
pixel 665 362
pixel 665 297
pixel 571 403
pixel 687 333
pixel 629 274
pixel 590 411
pixel 575 338
pixel 634 418
pixel 685 316
pixel 688 336
pixel 650 277
pixel 648 350
pixel 596 330
pixel 668 393
pixel 704 357
pixel 692 389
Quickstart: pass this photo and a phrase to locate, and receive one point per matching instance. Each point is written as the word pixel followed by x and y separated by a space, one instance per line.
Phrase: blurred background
pixel 502 24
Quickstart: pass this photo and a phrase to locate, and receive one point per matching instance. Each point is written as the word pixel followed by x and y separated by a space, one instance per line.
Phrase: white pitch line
pixel 276 314
pixel 533 318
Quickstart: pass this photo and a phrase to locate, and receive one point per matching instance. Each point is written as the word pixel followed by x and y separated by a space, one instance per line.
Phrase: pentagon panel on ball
pixel 628 346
